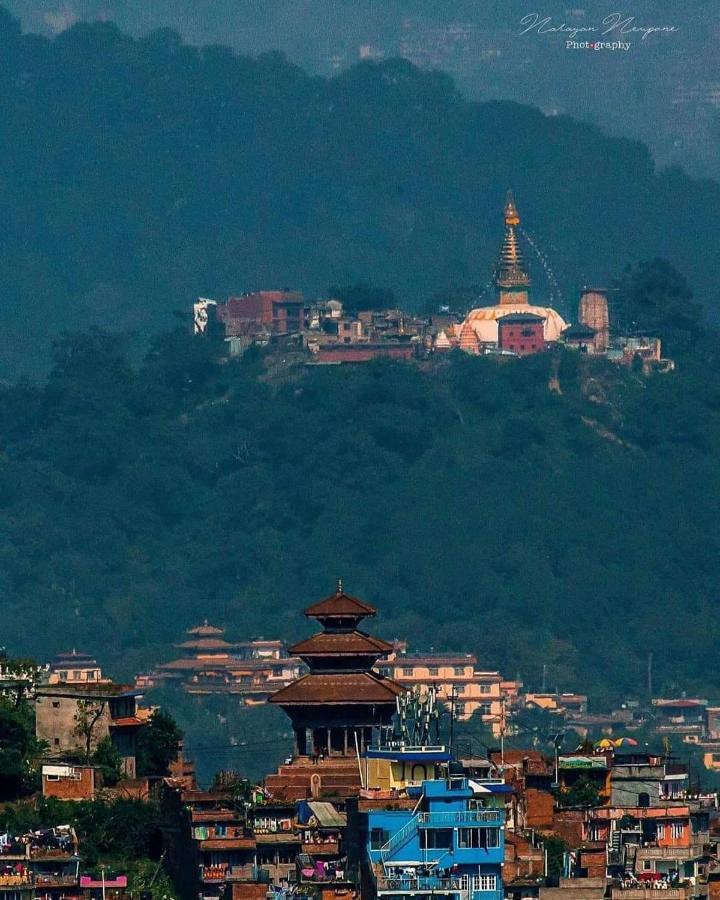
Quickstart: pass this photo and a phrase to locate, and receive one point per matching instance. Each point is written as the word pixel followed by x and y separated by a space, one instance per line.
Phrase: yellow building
pixel 454 676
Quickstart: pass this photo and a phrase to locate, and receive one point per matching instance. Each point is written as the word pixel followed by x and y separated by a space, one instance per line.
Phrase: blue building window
pixel 436 839
pixel 378 838
pixel 484 838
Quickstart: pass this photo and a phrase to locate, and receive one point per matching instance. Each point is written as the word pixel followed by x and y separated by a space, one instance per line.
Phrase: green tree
pixel 655 299
pixel 583 793
pixel 158 744
pixel 555 848
pixel 362 295
pixel 86 723
pixel 108 759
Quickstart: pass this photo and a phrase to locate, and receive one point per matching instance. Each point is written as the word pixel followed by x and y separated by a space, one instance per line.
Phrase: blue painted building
pixel 450 844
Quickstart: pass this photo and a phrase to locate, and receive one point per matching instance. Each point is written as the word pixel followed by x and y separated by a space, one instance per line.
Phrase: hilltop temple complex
pixel 483 327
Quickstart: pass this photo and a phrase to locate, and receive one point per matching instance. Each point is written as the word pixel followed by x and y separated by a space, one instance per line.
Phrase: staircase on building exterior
pixel 402 836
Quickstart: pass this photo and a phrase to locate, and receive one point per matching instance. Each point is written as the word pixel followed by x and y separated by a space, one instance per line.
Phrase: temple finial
pixel 511 270
pixel 511 213
pixel 339 586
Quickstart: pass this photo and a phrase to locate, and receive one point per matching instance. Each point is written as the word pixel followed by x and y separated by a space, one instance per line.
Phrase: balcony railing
pixel 38 881
pixel 247 872
pixel 11 882
pixel 461 817
pixel 56 880
pixel 213 873
pixel 418 883
pixel 654 852
pixel 648 893
pixel 433 884
pixel 318 848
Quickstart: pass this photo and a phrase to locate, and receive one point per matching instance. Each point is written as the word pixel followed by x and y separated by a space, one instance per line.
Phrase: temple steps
pixel 335 777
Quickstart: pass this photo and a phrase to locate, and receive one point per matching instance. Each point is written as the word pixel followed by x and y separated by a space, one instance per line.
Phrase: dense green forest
pixel 140 173
pixel 476 508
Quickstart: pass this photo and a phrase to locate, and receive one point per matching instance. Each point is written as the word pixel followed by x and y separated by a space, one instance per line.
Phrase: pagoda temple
pixel 337 709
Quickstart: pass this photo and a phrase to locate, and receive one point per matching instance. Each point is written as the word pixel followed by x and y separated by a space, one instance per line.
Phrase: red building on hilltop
pixel 279 312
pixel 522 333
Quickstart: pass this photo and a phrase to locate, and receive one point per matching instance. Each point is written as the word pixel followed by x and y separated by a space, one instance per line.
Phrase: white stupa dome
pixel 484 320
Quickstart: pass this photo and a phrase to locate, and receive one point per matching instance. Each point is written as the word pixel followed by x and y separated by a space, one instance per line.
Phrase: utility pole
pixel 544 681
pixel 452 718
pixel 502 733
pixel 649 675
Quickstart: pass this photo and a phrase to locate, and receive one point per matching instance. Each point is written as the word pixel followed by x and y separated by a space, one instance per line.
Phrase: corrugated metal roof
pixel 327 815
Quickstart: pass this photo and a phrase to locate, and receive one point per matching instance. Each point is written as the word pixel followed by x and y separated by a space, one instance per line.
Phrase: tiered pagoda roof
pixel 344 688
pixel 207 643
pixel 340 658
pixel 205 630
pixel 339 608
pixel 352 642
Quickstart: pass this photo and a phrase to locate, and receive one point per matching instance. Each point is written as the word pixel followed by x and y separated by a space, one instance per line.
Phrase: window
pixel 378 838
pixel 647 866
pixel 56 742
pixel 644 799
pixel 460 709
pixel 488 882
pixel 56 704
pixel 433 670
pixel 52 778
pixel 459 670
pixel 661 831
pixel 478 838
pixel 485 688
pixel 407 670
pixel 436 839
pixel 384 671
pixel 677 830
pixel 485 709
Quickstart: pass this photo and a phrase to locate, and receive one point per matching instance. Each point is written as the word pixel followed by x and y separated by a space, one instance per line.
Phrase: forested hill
pixel 138 174
pixel 478 509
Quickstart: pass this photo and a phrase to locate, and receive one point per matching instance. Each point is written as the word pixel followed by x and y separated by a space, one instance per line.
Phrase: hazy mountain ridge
pixel 662 92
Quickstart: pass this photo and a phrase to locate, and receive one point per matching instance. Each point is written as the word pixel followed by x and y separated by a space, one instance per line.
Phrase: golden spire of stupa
pixel 511 213
pixel 511 271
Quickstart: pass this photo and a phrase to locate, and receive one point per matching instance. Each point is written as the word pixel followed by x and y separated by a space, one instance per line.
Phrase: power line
pixel 246 747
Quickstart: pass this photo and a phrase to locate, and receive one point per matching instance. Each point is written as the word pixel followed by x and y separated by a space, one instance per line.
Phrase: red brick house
pixel 280 312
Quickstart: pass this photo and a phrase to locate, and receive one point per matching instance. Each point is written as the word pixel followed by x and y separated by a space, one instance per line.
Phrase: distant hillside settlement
pixel 511 327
